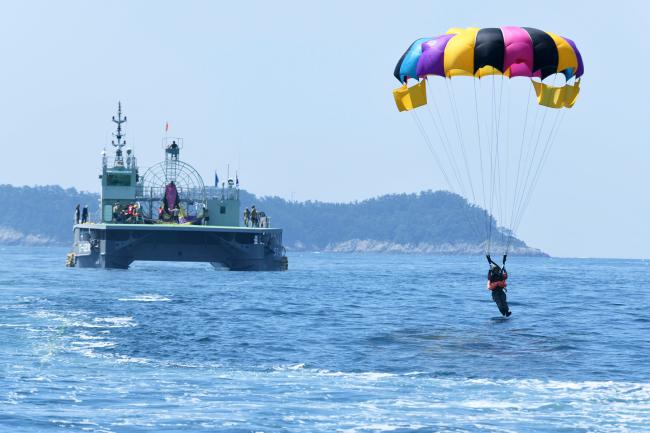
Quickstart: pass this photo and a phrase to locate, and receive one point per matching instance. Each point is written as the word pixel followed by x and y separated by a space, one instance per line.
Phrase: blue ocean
pixel 339 343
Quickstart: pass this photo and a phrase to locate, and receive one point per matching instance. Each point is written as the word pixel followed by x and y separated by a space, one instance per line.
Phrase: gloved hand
pixel 504 258
pixel 489 259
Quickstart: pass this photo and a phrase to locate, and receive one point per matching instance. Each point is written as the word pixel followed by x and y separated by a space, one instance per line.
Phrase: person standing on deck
pixel 206 216
pixel 247 216
pixel 84 215
pixel 76 215
pixel 116 212
pixel 254 216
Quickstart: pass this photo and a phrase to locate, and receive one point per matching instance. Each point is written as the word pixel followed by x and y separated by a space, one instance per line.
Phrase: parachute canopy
pixel 490 136
pixel 509 51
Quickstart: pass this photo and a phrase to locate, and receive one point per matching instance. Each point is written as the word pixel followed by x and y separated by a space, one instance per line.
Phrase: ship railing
pixel 264 223
pixel 223 193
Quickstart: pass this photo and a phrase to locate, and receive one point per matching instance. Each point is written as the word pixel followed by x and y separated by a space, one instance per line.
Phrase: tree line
pixel 433 217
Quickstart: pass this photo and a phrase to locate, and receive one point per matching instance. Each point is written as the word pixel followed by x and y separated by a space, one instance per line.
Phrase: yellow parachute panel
pixel 408 98
pixel 556 97
pixel 489 70
pixel 459 53
pixel 571 94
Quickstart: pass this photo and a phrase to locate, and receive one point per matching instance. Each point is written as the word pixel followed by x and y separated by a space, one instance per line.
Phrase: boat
pixel 169 214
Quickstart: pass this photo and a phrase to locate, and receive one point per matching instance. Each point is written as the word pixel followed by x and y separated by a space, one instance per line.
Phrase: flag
pixel 216 179
pixel 237 180
pixel 166 126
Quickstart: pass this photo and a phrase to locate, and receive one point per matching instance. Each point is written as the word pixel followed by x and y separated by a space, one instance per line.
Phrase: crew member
pixel 136 212
pixel 130 213
pixel 76 215
pixel 116 211
pixel 254 217
pixel 496 283
pixel 247 216
pixel 84 215
pixel 205 215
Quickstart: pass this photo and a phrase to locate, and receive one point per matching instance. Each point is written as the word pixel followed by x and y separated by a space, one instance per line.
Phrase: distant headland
pixel 429 222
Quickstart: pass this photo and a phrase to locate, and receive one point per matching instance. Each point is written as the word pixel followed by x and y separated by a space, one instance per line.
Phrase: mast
pixel 119 161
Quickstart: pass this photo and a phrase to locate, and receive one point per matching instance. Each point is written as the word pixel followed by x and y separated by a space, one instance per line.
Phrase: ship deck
pixel 176 228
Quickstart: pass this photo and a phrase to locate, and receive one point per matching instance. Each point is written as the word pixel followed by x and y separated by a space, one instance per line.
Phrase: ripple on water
pixel 353 343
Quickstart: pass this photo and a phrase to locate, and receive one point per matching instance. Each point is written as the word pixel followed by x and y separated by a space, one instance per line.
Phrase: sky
pixel 296 97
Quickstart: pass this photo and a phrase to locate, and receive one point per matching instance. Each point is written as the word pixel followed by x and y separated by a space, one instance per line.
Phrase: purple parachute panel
pixel 432 60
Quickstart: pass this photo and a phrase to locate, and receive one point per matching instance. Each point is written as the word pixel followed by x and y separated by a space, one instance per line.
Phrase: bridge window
pixel 118 179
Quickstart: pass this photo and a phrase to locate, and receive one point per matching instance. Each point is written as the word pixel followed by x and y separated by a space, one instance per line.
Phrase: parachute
pixel 489 135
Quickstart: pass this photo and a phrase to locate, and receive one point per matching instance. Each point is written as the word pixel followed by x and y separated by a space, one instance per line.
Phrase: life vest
pixel 497 281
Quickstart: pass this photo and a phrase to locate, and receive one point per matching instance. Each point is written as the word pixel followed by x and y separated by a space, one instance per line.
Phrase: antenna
pixel 119 135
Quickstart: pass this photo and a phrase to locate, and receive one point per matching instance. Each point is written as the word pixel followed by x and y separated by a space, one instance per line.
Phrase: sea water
pixel 340 342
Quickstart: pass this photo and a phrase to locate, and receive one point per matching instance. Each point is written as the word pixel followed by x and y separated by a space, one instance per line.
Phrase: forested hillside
pixel 434 222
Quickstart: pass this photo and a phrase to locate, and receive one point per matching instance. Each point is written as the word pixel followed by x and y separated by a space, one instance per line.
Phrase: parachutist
pixel 497 276
pixel 481 53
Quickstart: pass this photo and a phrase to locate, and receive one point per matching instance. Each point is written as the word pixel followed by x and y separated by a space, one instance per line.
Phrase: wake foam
pixel 146 298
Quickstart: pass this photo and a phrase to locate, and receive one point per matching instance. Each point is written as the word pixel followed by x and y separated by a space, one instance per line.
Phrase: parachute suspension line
pixel 427 141
pixel 499 184
pixel 505 237
pixel 448 149
pixel 437 159
pixel 489 129
pixel 492 163
pixel 542 162
pixel 487 116
pixel 498 172
pixel 488 106
pixel 444 139
pixel 521 159
pixel 551 142
pixel 516 186
pixel 429 144
pixel 494 152
pixel 538 170
pixel 454 106
pixel 480 155
pixel 454 109
pixel 528 165
pixel 525 189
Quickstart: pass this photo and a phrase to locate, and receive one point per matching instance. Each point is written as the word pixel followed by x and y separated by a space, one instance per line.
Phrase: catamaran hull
pixel 117 246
